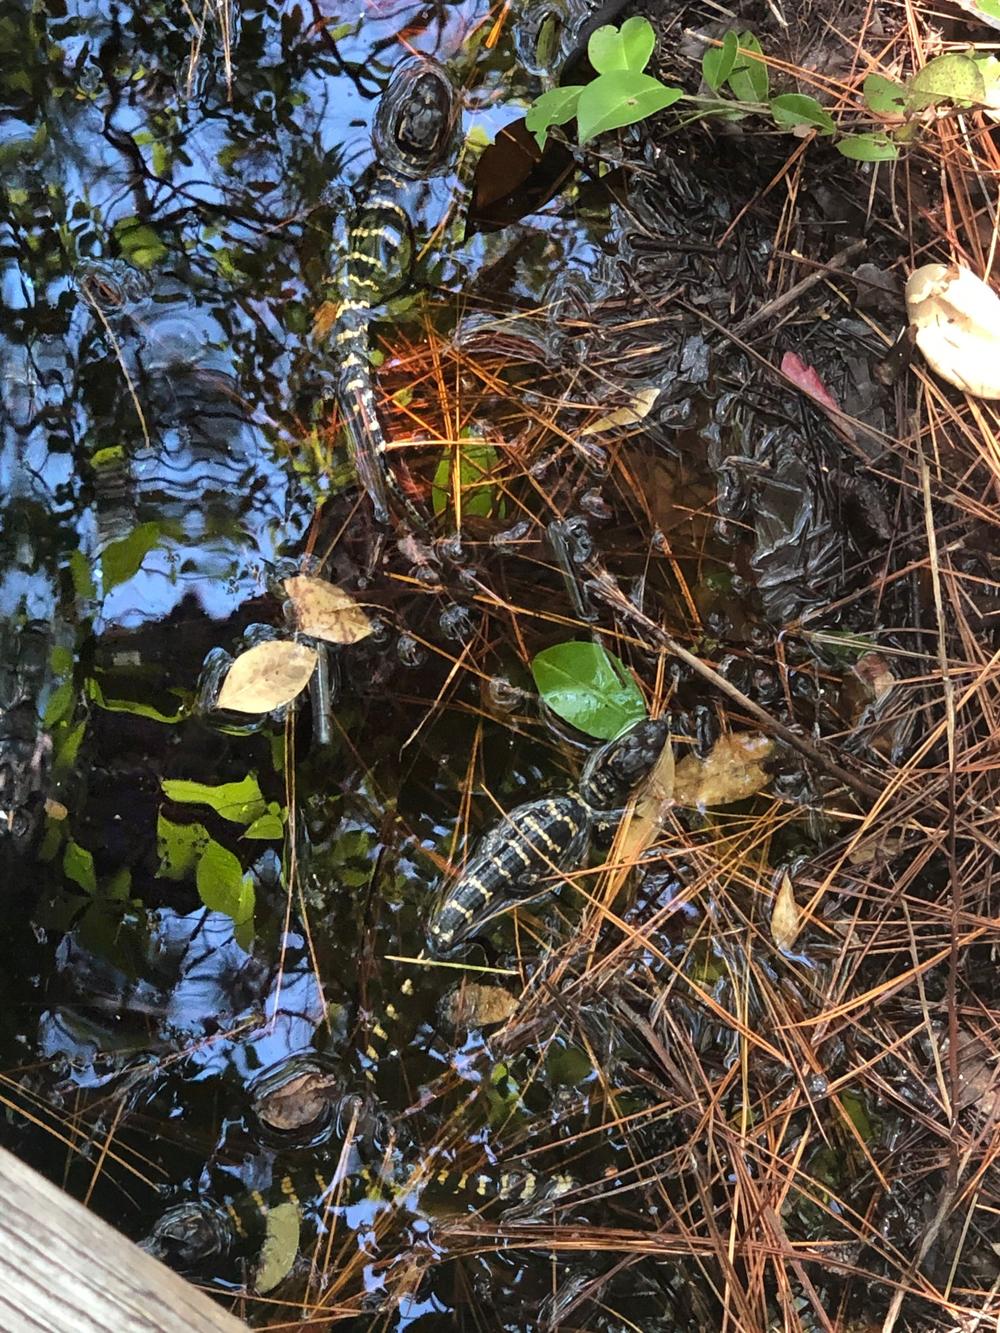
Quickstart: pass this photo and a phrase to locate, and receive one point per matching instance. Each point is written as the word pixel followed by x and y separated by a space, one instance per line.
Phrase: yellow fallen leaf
pixel 786 919
pixel 281 1245
pixel 732 771
pixel 325 611
pixel 472 1005
pixel 957 321
pixel 652 803
pixel 640 407
pixel 267 676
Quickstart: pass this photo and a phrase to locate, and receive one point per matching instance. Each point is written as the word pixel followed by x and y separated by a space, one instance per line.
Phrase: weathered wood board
pixel 63 1270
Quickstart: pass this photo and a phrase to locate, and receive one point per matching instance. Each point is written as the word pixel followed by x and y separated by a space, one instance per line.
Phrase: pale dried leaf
pixel 652 803
pixel 633 412
pixel 281 1245
pixel 473 1005
pixel 786 919
pixel 267 676
pixel 957 320
pixel 324 611
pixel 732 771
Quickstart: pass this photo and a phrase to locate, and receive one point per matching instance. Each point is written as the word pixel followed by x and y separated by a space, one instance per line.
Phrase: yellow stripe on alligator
pixel 237 1221
pixel 288 1190
pixel 541 833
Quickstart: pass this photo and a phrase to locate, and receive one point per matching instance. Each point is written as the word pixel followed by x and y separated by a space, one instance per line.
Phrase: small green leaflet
pixel 240 802
pixel 280 1248
pixel 867 148
pixel 179 847
pixel 794 109
pixel 749 78
pixel 628 47
pixel 222 885
pixel 78 865
pixel 717 62
pixel 121 559
pixel 588 687
pixel 555 107
pixel 618 99
pixel 477 459
pixel 948 78
pixel 884 96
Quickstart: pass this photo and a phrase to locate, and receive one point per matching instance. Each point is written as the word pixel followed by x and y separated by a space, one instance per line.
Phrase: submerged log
pixel 64 1270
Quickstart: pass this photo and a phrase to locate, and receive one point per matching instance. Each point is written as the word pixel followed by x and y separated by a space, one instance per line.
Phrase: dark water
pixel 167 235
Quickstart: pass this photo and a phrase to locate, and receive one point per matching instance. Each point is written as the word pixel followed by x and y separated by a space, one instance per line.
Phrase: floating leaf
pixel 588 687
pixel 786 919
pixel 241 802
pixel 78 865
pixel 884 96
pixel 324 611
pixel 122 559
pixel 555 107
pixel 717 63
pixel 267 676
pixel 957 319
pixel 620 98
pixel 280 1248
pixel 640 407
pixel 732 771
pixel 472 1005
pixel 795 109
pixel 476 460
pixel 627 48
pixel 222 884
pixel 179 847
pixel 867 148
pixel 948 78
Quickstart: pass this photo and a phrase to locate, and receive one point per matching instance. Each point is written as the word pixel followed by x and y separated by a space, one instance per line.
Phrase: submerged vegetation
pixel 712 1041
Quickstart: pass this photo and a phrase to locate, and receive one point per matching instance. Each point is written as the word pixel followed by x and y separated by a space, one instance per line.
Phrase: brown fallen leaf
pixel 298 1103
pixel 957 320
pixel 324 611
pixel 732 771
pixel 633 412
pixel 786 919
pixel 473 1005
pixel 267 676
pixel 652 803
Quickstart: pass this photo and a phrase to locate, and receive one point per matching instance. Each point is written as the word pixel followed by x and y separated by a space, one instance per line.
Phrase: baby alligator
pixel 413 133
pixel 520 860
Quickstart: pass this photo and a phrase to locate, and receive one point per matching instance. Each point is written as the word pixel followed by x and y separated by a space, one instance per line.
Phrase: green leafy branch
pixel 622 93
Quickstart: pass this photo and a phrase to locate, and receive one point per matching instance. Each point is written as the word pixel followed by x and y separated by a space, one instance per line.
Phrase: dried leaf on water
pixel 281 1245
pixel 267 676
pixel 324 611
pixel 298 1103
pixel 633 412
pixel 732 771
pixel 957 321
pixel 786 919
pixel 472 1005
pixel 654 800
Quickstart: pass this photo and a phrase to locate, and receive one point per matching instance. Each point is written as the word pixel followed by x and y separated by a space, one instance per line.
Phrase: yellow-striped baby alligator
pixel 520 860
pixel 414 133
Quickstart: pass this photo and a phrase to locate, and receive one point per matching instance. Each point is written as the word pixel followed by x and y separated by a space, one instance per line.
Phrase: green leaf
pixel 991 8
pixel 555 107
pixel 241 802
pixel 139 243
pixel 121 559
pixel 589 687
pixel 792 109
pixel 749 78
pixel 269 825
pixel 884 96
pixel 281 1245
pixel 78 865
pixel 180 847
pixel 868 148
pixel 222 885
pixel 476 459
pixel 638 40
pixel 618 99
pixel 718 61
pixel 59 705
pixel 947 78
pixel 94 692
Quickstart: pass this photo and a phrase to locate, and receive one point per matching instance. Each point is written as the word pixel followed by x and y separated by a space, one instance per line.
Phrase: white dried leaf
pixel 640 407
pixel 324 611
pixel 281 1245
pixel 786 919
pixel 267 676
pixel 732 771
pixel 957 321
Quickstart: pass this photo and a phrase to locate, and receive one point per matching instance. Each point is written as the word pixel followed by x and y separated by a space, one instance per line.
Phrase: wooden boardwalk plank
pixel 64 1270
